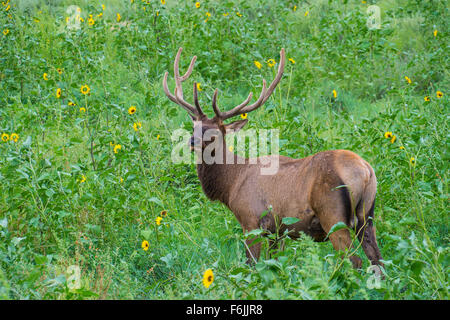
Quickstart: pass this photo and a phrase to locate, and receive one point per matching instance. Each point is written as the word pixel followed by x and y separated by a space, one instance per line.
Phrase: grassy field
pixel 83 180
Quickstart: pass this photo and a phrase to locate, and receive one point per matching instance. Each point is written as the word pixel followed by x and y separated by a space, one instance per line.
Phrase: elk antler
pixel 177 97
pixel 265 94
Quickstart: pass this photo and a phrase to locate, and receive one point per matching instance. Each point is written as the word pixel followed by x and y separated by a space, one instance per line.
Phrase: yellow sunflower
pixel 292 60
pixel 244 116
pixel 5 137
pixel 257 64
pixel 427 99
pixel 82 109
pixel 271 63
pixel 117 147
pixel 197 4
pixel 145 245
pixel 118 17
pixel 137 126
pixel 45 76
pixel 14 137
pixel 85 89
pixel 393 139
pixel 334 94
pixel 59 70
pixel 58 93
pixel 439 94
pixel 388 135
pixel 408 80
pixel 158 220
pixel 208 278
pixel 5 32
pixel 132 110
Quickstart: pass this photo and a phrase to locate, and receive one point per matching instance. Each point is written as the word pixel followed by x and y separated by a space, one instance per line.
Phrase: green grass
pixel 50 220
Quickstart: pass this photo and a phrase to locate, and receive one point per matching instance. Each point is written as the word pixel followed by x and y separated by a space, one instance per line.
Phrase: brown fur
pixel 321 190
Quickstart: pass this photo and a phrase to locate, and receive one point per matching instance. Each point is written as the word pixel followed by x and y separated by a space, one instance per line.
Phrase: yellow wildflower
pixel 5 137
pixel 292 60
pixel 257 64
pixel 197 4
pixel 393 139
pixel 137 126
pixel 83 178
pixel 91 21
pixel 244 116
pixel 59 70
pixel 208 278
pixel 158 220
pixel 198 87
pixel 85 89
pixel 408 79
pixel 271 63
pixel 334 94
pixel 82 109
pixel 388 135
pixel 306 13
pixel 117 147
pixel 118 17
pixel 439 94
pixel 14 137
pixel 295 8
pixel 435 32
pixel 427 99
pixel 132 110
pixel 5 32
pixel 412 161
pixel 145 245
pixel 45 76
pixel 163 1
pixel 58 93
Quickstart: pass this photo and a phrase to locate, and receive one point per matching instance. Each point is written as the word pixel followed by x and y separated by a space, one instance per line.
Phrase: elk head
pixel 213 130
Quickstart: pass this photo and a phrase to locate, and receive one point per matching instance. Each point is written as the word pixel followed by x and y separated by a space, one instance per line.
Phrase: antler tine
pixel 230 113
pixel 259 102
pixel 278 76
pixel 265 94
pixel 197 105
pixel 272 86
pixel 177 97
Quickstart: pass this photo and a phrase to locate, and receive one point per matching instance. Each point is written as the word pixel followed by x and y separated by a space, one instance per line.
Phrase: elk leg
pixel 366 236
pixel 252 251
pixel 341 241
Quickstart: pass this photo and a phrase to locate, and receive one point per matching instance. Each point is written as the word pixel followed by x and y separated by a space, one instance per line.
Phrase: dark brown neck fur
pixel 217 179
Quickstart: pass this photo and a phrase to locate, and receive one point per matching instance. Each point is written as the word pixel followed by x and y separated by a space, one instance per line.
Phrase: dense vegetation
pixel 83 178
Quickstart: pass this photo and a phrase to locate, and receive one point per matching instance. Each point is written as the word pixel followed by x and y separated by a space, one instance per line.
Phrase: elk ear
pixel 236 125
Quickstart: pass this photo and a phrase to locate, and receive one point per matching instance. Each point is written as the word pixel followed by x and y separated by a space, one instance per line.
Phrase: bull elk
pixel 320 190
